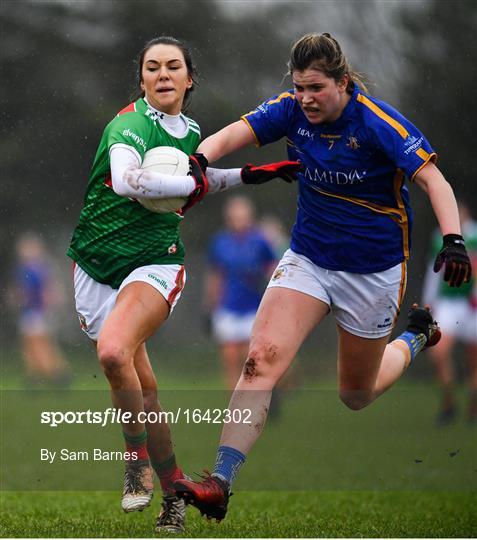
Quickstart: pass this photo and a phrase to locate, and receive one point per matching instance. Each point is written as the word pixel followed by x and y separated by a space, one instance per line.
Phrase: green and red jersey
pixel 116 234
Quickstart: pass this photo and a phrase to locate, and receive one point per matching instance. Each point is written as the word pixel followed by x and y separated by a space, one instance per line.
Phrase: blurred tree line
pixel 439 81
pixel 67 68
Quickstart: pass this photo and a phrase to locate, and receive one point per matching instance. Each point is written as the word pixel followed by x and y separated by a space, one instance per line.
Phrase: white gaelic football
pixel 166 160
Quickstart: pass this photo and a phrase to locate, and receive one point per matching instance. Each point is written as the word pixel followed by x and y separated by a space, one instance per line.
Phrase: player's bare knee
pixel 356 399
pixel 112 357
pixel 260 361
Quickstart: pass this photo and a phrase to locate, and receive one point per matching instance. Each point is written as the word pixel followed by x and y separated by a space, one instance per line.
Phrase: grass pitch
pixel 251 514
pixel 319 470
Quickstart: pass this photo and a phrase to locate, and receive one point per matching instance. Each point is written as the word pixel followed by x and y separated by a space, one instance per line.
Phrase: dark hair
pixel 323 53
pixel 165 40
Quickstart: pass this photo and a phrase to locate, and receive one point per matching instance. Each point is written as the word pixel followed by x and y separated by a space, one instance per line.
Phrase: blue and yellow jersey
pixel 353 207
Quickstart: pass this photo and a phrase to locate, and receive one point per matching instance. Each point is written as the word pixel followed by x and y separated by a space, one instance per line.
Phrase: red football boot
pixel 210 496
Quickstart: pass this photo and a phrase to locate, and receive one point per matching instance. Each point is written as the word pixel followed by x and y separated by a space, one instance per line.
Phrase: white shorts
pixel 95 301
pixel 366 305
pixel 457 318
pixel 231 327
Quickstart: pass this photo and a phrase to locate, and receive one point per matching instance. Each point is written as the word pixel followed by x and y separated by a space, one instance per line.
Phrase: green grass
pixel 252 514
pixel 320 470
pixel 317 444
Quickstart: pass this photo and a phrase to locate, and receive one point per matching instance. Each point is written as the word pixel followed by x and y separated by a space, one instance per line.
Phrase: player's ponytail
pixel 165 40
pixel 323 53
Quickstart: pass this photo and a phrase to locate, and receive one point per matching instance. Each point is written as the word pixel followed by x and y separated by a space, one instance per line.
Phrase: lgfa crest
pixel 352 143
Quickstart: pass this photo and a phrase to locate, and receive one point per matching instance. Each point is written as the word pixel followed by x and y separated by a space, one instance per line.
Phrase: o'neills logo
pixel 172 249
pixel 161 282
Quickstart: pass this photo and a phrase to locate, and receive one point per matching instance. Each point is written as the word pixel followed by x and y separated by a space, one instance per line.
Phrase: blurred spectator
pixel 37 295
pixel 274 231
pixel 456 311
pixel 241 261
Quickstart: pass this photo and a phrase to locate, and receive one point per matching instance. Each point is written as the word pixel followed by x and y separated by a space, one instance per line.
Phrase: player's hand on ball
pixel 286 170
pixel 198 165
pixel 201 160
pixel 453 254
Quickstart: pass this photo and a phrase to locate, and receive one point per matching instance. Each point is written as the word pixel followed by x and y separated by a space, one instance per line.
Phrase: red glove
pixel 198 166
pixel 286 170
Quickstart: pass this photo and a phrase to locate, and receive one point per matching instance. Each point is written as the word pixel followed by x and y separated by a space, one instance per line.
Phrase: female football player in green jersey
pixel 129 271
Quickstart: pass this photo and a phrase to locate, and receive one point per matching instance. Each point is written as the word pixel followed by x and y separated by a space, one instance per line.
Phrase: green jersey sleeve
pixel 133 129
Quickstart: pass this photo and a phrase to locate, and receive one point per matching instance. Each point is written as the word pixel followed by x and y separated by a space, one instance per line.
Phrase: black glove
pixel 198 165
pixel 286 170
pixel 454 255
pixel 202 161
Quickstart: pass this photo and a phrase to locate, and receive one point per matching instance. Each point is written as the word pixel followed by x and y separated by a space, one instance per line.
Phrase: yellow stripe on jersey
pixel 393 213
pixel 294 146
pixel 423 154
pixel 430 157
pixel 280 97
pixel 398 182
pixel 384 116
pixel 398 215
pixel 291 143
pixel 244 118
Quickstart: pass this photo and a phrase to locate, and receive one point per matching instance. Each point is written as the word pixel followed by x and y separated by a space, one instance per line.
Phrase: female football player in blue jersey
pixel 349 246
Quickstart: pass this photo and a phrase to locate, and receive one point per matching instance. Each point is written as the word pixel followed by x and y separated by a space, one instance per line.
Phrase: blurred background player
pixel 241 261
pixel 456 310
pixel 38 295
pixel 274 231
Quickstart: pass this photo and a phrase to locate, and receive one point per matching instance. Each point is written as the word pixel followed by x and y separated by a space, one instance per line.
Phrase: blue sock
pixel 228 463
pixel 415 342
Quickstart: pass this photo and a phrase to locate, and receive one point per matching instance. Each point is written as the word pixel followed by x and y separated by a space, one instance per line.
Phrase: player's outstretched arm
pixel 453 254
pixel 129 180
pixel 223 179
pixel 227 140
